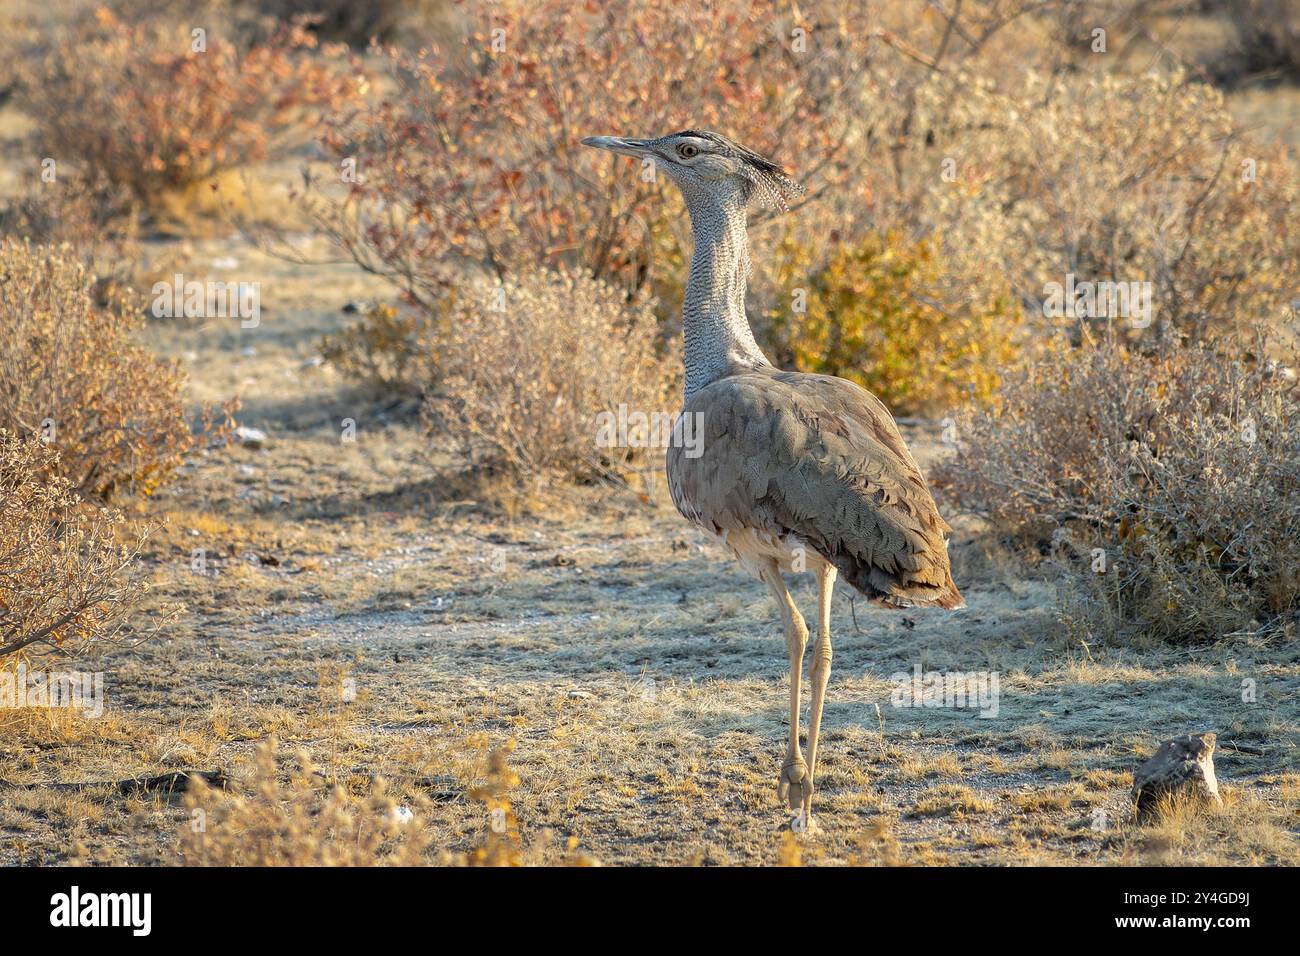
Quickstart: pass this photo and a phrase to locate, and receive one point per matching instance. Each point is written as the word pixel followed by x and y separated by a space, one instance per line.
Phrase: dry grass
pixel 465 628
pixel 304 822
pixel 951 799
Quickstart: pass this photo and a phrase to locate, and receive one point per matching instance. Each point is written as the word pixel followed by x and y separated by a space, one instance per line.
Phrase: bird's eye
pixel 686 150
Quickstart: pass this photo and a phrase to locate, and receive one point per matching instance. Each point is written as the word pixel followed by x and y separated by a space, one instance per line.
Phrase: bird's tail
pixel 895 591
pixel 948 598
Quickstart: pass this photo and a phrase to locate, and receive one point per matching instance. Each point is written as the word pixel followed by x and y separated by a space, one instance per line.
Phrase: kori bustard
pixel 795 471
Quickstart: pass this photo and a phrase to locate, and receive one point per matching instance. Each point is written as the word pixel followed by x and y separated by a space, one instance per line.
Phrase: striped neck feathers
pixel 718 338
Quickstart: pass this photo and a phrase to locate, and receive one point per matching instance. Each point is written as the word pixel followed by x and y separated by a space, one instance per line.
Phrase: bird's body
pixel 795 472
pixel 804 468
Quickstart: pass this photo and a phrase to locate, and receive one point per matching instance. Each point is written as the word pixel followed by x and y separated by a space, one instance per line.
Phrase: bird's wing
pixel 821 458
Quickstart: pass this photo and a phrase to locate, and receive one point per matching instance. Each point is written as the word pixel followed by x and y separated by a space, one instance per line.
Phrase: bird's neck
pixel 718 339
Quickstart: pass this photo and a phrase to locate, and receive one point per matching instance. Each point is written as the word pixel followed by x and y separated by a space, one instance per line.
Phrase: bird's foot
pixel 802 823
pixel 794 785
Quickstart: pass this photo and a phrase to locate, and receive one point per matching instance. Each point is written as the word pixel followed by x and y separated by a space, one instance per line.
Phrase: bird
pixel 795 472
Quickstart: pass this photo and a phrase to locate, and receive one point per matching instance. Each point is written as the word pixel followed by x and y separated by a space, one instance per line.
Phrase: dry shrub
pixel 981 134
pixel 302 819
pixel 942 127
pixel 1112 178
pixel 357 23
pixel 878 313
pixel 471 154
pixel 65 578
pixel 70 373
pixel 1168 485
pixel 131 103
pixel 500 844
pixel 93 219
pixel 76 212
pixel 385 350
pixel 523 368
pixel 298 822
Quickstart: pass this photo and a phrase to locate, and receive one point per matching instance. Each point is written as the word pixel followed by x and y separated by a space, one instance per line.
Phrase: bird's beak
pixel 617 144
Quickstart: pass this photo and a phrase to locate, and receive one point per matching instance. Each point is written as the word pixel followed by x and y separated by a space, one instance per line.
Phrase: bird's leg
pixel 819 674
pixel 794 784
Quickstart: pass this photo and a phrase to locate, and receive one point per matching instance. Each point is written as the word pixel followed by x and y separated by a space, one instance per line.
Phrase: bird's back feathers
pixel 820 458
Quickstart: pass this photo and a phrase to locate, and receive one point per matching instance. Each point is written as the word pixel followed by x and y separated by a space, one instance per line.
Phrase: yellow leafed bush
pixel 877 313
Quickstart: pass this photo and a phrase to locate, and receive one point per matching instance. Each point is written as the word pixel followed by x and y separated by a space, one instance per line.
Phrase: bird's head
pixel 706 166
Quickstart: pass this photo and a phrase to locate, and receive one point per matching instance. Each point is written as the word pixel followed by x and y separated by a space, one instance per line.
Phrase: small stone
pixel 250 437
pixel 1283 373
pixel 1183 767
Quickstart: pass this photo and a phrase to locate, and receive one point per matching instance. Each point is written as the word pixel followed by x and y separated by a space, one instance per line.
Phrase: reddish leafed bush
pixel 154 107
pixel 473 156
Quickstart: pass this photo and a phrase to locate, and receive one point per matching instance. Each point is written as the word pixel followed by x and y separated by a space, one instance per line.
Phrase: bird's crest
pixel 774 186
